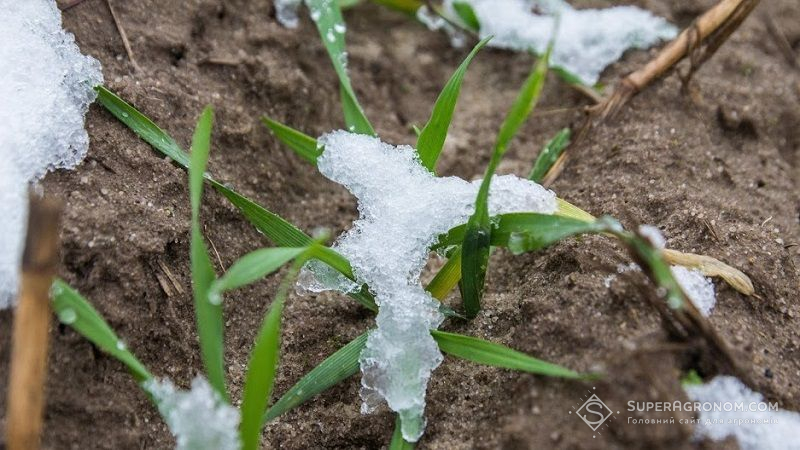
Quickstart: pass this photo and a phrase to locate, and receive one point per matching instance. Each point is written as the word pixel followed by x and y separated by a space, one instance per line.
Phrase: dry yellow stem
pixel 711 267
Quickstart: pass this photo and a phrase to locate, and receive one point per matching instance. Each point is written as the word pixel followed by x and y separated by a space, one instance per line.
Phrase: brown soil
pixel 716 170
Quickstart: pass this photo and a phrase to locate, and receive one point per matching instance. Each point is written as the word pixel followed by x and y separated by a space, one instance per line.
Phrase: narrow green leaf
pixel 208 315
pixel 447 277
pixel 475 247
pixel 330 24
pixel 431 139
pixel 568 77
pixel 340 365
pixel 254 266
pixel 491 354
pixel 398 443
pixel 304 145
pixel 525 232
pixel 274 227
pixel 263 364
pixel 524 104
pixel 549 154
pixel 467 15
pixel 142 126
pixel 74 310
pixel 653 264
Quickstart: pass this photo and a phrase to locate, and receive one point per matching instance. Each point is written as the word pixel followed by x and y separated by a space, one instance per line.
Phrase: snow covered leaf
pixel 328 17
pixel 491 354
pixel 549 155
pixel 400 198
pixel 475 247
pixel 75 311
pixel 431 139
pixel 208 315
pixel 335 368
pixel 304 145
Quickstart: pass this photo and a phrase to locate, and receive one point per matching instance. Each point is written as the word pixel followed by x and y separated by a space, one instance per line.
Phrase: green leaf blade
pixel 524 104
pixel 262 367
pixel 75 311
pixel 467 15
pixel 254 266
pixel 304 145
pixel 208 315
pixel 340 365
pixel 549 155
pixel 447 277
pixel 477 236
pixel 328 17
pixel 431 139
pixel 491 354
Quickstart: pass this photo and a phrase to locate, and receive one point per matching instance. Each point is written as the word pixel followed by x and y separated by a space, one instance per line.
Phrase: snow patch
pixel 783 434
pixel 697 287
pixel 198 418
pixel 46 88
pixel 402 209
pixel 587 40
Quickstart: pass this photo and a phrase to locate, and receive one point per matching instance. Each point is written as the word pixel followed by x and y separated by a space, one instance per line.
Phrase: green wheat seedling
pixel 466 247
pixel 208 289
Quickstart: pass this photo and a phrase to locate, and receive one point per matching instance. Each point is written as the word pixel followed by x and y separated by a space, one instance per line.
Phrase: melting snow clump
pixel 697 287
pixel 755 428
pixel 46 88
pixel 587 40
pixel 199 418
pixel 402 209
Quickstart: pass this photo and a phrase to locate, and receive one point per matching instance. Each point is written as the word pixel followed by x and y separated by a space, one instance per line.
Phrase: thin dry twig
pixel 124 37
pixel 31 327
